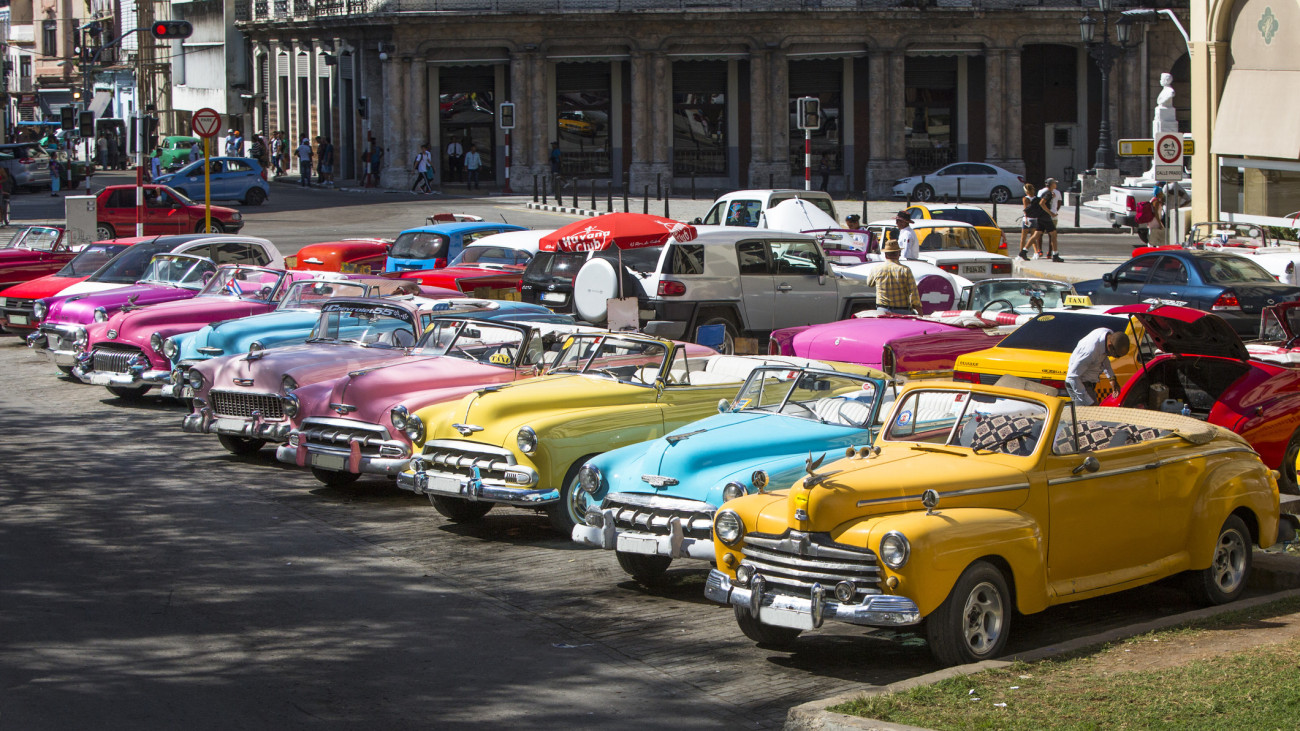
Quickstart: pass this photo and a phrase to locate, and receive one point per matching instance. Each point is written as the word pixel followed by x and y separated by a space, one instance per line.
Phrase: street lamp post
pixel 1105 53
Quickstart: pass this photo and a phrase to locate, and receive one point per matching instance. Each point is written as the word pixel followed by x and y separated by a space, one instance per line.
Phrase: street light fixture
pixel 1105 53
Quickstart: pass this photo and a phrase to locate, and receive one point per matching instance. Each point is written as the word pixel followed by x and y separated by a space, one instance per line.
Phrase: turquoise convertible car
pixel 653 502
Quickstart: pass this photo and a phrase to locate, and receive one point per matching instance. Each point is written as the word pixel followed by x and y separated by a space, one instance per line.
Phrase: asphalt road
pixel 150 580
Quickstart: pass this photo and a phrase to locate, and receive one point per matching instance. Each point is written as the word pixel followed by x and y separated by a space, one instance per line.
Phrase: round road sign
pixel 205 122
pixel 1169 149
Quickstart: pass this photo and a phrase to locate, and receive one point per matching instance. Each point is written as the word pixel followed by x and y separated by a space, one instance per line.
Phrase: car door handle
pixel 783 288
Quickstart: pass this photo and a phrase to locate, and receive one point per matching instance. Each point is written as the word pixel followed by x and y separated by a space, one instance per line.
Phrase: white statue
pixel 1165 119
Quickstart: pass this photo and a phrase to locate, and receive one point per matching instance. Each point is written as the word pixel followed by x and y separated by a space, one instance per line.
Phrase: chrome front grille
pixel 242 404
pixel 653 514
pixel 114 358
pixel 10 306
pixel 339 434
pixel 450 457
pixel 793 562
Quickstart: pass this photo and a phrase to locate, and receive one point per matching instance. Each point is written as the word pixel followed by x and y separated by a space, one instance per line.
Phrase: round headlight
pixel 594 518
pixel 195 378
pixel 894 549
pixel 759 478
pixel 414 428
pixel 287 384
pixel 236 216
pixel 527 439
pixel 727 527
pixel 744 573
pixel 40 310
pixel 81 338
pixel 732 491
pixel 398 415
pixel 101 315
pixel 156 342
pixel 170 349
pixel 289 404
pixel 589 478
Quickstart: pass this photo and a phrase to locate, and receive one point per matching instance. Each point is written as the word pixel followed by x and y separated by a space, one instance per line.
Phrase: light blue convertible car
pixel 654 501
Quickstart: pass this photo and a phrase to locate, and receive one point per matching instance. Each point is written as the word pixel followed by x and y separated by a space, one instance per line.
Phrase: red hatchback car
pixel 165 212
pixel 34 252
pixel 1205 369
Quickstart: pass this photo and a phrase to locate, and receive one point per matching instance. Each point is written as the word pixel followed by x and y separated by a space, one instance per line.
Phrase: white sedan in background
pixel 979 181
pixel 952 246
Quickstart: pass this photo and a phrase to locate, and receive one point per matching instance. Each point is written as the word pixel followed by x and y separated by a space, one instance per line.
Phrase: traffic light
pixel 809 113
pixel 67 117
pixel 86 124
pixel 170 29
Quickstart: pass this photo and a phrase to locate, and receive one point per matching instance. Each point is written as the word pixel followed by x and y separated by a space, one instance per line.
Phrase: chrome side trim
pixel 642 500
pixel 950 493
pixel 1142 468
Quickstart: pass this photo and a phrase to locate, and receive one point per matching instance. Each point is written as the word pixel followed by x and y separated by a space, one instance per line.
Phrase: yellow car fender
pixel 1232 487
pixel 563 438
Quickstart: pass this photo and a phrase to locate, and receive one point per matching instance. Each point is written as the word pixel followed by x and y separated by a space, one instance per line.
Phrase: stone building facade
pixel 667 95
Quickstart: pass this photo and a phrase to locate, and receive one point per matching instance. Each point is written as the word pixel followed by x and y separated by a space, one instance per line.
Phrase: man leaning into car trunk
pixel 1090 359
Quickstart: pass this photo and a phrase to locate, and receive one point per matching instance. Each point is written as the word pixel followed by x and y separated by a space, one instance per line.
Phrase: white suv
pixel 749 207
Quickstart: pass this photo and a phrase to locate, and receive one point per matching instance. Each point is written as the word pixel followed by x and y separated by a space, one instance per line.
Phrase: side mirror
pixel 1089 464
pixel 1108 279
pixel 723 406
pixel 697 221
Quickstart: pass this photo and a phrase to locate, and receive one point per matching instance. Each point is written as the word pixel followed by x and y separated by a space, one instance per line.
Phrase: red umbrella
pixel 617 230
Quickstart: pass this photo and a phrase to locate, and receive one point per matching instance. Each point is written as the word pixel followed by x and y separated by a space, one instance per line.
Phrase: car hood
pixel 894 481
pixel 271 329
pixel 47 286
pixel 80 308
pixel 703 456
pixel 1184 331
pixel 500 411
pixel 938 351
pixel 860 340
pixel 306 363
pixel 86 286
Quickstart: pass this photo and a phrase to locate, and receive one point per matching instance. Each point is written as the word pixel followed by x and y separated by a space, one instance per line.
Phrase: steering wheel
pixel 1009 306
pixel 1017 434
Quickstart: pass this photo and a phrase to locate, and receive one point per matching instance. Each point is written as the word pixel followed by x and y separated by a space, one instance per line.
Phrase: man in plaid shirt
pixel 895 286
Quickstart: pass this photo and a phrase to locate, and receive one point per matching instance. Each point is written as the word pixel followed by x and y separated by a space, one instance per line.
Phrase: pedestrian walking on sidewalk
pixel 304 163
pixel 277 153
pixel 1027 221
pixel 424 171
pixel 473 161
pixel 1051 200
pixel 1156 226
pixel 326 159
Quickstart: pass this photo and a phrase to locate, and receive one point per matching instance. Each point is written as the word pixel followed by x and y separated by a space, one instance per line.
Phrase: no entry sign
pixel 205 122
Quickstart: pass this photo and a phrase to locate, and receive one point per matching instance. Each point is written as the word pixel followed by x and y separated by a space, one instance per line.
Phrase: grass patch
pixel 1254 688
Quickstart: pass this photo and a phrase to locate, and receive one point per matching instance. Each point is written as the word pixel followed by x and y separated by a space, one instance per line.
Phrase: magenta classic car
pixel 357 423
pixel 239 397
pixel 125 353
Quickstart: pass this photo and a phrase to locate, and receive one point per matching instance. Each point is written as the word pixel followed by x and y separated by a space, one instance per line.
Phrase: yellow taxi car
pixel 1019 501
pixel 522 444
pixel 994 240
pixel 1039 351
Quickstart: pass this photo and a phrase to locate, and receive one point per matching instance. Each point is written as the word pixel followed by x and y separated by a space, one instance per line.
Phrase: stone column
pixel 537 106
pixel 887 160
pixel 521 142
pixel 396 170
pixel 897 108
pixel 758 104
pixel 660 116
pixel 643 147
pixel 994 109
pixel 417 115
pixel 778 118
pixel 1013 156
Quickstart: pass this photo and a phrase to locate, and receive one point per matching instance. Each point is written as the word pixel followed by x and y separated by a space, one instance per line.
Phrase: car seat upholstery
pixel 843 410
pixel 994 433
pixel 1094 435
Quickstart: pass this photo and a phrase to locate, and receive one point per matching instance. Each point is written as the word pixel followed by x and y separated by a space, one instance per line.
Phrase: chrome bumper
pixel 676 544
pixel 337 460
pixel 206 422
pixel 109 378
pixel 54 347
pixel 178 390
pixel 781 610
pixel 473 489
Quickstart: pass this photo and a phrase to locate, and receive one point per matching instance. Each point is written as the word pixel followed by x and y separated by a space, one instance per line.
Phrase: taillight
pixel 1226 301
pixel 1003 245
pixel 887 360
pixel 1130 204
pixel 26 160
pixel 952 268
pixel 1021 178
pixel 671 289
pixel 1002 267
pixel 263 173
pixel 439 263
pixel 966 376
pixel 1052 384
pixel 773 347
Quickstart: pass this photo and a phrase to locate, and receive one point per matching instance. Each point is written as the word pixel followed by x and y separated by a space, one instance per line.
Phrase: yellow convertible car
pixel 1020 501
pixel 522 444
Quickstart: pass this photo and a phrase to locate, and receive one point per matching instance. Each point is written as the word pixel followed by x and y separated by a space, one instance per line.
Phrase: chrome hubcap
pixel 984 615
pixel 1229 561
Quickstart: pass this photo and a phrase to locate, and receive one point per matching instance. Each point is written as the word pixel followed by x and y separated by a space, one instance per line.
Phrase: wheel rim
pixel 983 618
pixel 577 503
pixel 1288 466
pixel 1229 568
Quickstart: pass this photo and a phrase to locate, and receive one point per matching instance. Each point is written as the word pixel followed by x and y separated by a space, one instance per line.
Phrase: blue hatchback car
pixel 431 247
pixel 233 179
pixel 654 501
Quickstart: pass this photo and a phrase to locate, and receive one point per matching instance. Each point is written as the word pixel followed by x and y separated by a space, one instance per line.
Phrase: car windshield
pixel 973 216
pixel 1225 233
pixel 419 245
pixel 1228 269
pixel 982 422
pixel 182 143
pixel 492 257
pixel 179 270
pixel 372 325
pixel 485 342
pixel 35 238
pixel 90 259
pixel 129 265
pixel 1019 293
pixel 246 283
pixel 949 238
pixel 1060 332
pixel 310 294
pixel 826 396
pixel 610 356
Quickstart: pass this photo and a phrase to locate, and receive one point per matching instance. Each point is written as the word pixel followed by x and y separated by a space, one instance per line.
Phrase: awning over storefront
pixel 100 103
pixel 52 100
pixel 1257 114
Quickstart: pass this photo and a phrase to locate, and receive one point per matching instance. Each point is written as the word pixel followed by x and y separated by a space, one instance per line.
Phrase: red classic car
pixel 350 256
pixel 1204 368
pixel 33 252
pixel 165 212
pixel 17 303
pixel 492 267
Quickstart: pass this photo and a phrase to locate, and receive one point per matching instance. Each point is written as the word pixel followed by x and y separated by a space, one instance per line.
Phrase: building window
pixel 467 110
pixel 50 37
pixel 930 88
pixel 1259 190
pixel 25 67
pixel 824 80
pixel 582 104
pixel 700 118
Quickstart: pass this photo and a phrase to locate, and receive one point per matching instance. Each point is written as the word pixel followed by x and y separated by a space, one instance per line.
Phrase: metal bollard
pixel 666 207
pixel 625 184
pixel 645 199
pixel 864 208
pixel 545 185
pixel 534 188
pixel 659 186
pixel 1077 199
pixel 692 185
pixel 575 195
pixel 593 194
pixel 771 181
pixel 995 211
pixel 609 197
pixel 959 190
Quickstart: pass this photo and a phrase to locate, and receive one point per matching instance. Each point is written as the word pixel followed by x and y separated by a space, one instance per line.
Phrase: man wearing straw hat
pixel 896 291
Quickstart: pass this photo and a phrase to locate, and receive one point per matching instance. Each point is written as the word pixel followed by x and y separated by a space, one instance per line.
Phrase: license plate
pixel 974 268
pixel 445 485
pixel 779 616
pixel 332 462
pixel 99 379
pixel 637 544
pixel 18 319
pixel 553 297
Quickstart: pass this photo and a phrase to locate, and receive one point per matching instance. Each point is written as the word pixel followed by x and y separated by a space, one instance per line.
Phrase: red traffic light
pixel 169 29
